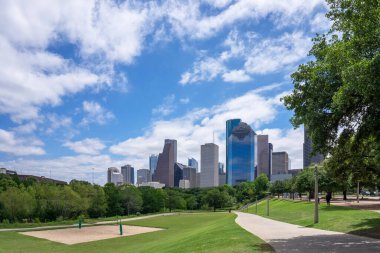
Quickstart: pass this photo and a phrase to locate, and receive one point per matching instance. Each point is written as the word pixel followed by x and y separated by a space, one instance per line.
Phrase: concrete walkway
pixel 285 237
pixel 92 224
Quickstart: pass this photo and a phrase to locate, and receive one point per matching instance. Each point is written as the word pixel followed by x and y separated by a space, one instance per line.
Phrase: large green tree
pixel 337 94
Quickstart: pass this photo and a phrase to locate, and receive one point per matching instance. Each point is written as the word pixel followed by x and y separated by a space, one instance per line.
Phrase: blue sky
pixel 95 84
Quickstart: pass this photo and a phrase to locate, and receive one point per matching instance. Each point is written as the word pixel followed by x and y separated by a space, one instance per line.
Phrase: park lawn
pixel 208 232
pixel 334 218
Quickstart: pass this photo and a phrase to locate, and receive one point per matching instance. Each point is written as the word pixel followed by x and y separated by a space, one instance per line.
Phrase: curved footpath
pixel 285 237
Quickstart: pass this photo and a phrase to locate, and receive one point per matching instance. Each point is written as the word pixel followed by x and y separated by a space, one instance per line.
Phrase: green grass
pixel 208 232
pixel 334 218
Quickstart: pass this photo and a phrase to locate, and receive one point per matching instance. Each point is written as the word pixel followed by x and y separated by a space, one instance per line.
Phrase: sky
pixel 87 85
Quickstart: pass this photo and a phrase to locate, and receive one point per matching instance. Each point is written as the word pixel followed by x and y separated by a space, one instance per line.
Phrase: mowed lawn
pixel 334 218
pixel 206 232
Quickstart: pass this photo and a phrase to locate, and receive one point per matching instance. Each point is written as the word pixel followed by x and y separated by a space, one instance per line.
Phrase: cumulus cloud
pixel 167 107
pixel 184 101
pixel 90 146
pixel 95 113
pixel 10 143
pixel 236 76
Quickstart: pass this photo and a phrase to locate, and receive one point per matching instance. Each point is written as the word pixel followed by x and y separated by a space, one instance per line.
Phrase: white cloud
pixel 196 127
pixel 90 146
pixel 11 144
pixel 95 113
pixel 184 101
pixel 320 23
pixel 259 56
pixel 236 76
pixel 67 167
pixel 167 107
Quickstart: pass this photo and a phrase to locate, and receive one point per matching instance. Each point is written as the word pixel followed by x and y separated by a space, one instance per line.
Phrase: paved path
pixel 97 223
pixel 285 237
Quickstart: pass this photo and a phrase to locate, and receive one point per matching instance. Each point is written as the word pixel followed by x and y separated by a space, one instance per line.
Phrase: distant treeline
pixel 33 201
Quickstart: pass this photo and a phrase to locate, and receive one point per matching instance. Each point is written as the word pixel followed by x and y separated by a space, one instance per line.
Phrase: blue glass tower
pixel 241 158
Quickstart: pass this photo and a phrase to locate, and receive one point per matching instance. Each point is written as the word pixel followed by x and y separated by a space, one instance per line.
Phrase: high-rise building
pixel 190 174
pixel 280 163
pixel 153 163
pixel 308 158
pixel 221 167
pixel 241 152
pixel 143 176
pixel 178 173
pixel 193 163
pixel 270 158
pixel 128 173
pixel 198 181
pixel 114 176
pixel 209 165
pixel 165 165
pixel 263 155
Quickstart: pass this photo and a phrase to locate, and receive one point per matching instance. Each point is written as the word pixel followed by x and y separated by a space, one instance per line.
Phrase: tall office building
pixel 221 167
pixel 128 173
pixel 114 176
pixel 190 174
pixel 263 155
pixel 308 158
pixel 280 163
pixel 165 165
pixel 241 152
pixel 209 165
pixel 143 176
pixel 178 173
pixel 193 163
pixel 270 158
pixel 153 163
pixel 222 174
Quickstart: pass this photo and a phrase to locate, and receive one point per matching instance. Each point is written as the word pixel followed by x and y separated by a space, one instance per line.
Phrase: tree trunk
pixel 345 195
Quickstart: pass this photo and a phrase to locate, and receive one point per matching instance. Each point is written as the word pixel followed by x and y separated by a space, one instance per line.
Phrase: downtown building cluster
pixel 247 156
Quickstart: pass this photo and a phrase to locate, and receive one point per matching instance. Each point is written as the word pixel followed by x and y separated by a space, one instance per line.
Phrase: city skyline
pixel 78 95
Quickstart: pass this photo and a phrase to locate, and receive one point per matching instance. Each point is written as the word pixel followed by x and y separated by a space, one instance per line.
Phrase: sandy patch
pixel 88 234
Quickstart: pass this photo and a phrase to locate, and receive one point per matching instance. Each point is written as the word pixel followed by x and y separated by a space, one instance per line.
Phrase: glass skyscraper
pixel 241 153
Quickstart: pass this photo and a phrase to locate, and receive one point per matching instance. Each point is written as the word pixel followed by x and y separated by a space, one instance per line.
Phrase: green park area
pixel 334 218
pixel 206 232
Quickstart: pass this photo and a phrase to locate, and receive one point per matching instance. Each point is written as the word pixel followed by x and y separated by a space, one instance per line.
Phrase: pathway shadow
pixel 327 243
pixel 372 228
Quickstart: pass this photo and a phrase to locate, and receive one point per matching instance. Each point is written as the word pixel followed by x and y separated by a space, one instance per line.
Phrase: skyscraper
pixel 153 163
pixel 308 158
pixel 280 163
pixel 221 167
pixel 190 173
pixel 165 165
pixel 241 152
pixel 270 158
pixel 128 173
pixel 114 176
pixel 193 163
pixel 222 174
pixel 143 176
pixel 263 155
pixel 209 165
pixel 178 173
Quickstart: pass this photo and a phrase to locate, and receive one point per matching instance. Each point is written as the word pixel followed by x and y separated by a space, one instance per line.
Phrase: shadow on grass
pixel 326 243
pixel 262 247
pixel 371 228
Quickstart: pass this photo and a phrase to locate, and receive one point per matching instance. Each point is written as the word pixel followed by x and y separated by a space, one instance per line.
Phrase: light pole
pixel 268 203
pixel 316 197
pixel 357 193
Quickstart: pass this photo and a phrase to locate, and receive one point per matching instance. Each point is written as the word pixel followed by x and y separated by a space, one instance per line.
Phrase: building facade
pixel 114 176
pixel 190 174
pixel 263 155
pixel 143 176
pixel 165 165
pixel 153 163
pixel 280 163
pixel 209 165
pixel 308 158
pixel 178 173
pixel 241 152
pixel 128 173
pixel 193 163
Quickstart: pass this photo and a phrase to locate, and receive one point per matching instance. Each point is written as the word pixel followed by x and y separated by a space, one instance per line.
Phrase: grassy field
pixel 208 232
pixel 334 218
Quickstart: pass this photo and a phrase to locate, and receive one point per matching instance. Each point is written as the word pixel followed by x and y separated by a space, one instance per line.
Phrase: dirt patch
pixel 88 234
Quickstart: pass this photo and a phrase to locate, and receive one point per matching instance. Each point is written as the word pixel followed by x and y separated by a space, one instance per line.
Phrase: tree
pixel 113 196
pixel 131 199
pixel 336 95
pixel 305 182
pixel 261 184
pixel 153 199
pixel 217 199
pixel 17 204
pixel 98 203
pixel 277 187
